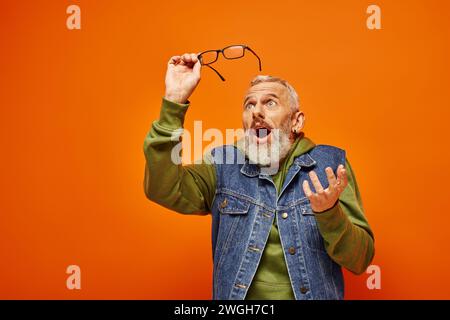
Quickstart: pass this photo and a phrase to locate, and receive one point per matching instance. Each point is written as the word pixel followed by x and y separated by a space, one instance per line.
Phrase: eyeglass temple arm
pixel 223 79
pixel 259 60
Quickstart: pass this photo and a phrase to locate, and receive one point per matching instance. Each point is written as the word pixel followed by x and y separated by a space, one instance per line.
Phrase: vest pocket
pixel 229 204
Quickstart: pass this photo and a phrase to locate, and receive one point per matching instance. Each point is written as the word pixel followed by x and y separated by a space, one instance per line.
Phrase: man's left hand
pixel 324 199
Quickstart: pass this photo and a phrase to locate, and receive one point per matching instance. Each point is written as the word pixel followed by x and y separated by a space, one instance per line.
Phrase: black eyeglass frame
pixel 199 56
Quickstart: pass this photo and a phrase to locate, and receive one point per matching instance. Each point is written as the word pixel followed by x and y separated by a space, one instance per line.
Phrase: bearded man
pixel 286 213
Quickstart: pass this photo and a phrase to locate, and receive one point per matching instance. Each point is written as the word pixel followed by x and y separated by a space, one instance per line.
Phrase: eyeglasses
pixel 231 52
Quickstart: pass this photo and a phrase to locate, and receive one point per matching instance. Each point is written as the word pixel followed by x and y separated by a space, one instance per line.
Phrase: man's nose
pixel 258 111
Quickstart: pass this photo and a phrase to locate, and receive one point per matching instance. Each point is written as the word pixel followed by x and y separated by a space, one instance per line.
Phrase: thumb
pixel 197 68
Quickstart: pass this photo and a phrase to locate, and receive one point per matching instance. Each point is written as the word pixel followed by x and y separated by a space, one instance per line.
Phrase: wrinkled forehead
pixel 267 88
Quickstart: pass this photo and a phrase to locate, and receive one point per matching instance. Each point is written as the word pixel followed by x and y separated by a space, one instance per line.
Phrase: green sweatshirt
pixel 190 189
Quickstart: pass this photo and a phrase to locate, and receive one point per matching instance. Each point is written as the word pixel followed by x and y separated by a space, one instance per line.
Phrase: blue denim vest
pixel 243 210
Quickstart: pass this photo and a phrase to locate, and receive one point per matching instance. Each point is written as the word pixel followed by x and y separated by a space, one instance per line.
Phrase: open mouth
pixel 262 133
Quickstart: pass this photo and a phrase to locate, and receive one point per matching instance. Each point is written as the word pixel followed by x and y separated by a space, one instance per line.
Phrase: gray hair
pixel 293 96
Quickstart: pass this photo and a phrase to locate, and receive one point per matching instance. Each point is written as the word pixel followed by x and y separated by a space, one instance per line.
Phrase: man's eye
pixel 271 103
pixel 249 105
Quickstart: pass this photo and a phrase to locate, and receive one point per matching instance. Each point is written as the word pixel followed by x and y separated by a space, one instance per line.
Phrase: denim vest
pixel 243 209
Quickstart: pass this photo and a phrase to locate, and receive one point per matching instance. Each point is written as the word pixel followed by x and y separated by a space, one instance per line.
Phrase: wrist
pixel 176 98
pixel 323 210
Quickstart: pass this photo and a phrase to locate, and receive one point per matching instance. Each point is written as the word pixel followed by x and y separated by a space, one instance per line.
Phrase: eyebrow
pixel 267 94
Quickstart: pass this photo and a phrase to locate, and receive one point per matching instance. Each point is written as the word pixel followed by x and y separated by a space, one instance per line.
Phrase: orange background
pixel 77 104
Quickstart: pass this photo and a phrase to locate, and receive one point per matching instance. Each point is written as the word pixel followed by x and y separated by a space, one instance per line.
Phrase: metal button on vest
pixel 303 290
pixel 284 215
pixel 224 203
pixel 292 250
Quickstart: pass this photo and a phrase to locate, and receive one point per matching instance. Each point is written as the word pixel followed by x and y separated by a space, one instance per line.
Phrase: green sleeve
pixel 348 238
pixel 183 188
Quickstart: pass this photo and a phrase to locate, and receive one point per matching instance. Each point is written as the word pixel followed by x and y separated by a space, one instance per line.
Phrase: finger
pixel 331 178
pixel 174 59
pixel 307 189
pixel 187 58
pixel 342 177
pixel 197 67
pixel 194 58
pixel 316 183
pixel 182 60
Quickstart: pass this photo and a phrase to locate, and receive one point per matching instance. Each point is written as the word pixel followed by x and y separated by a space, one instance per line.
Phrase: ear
pixel 298 121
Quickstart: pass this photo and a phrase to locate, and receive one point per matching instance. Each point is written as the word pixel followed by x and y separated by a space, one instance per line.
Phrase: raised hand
pixel 324 199
pixel 182 77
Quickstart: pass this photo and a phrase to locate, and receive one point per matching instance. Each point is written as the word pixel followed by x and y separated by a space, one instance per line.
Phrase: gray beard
pixel 269 155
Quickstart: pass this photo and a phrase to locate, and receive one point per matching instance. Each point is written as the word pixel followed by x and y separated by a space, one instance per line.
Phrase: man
pixel 276 234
